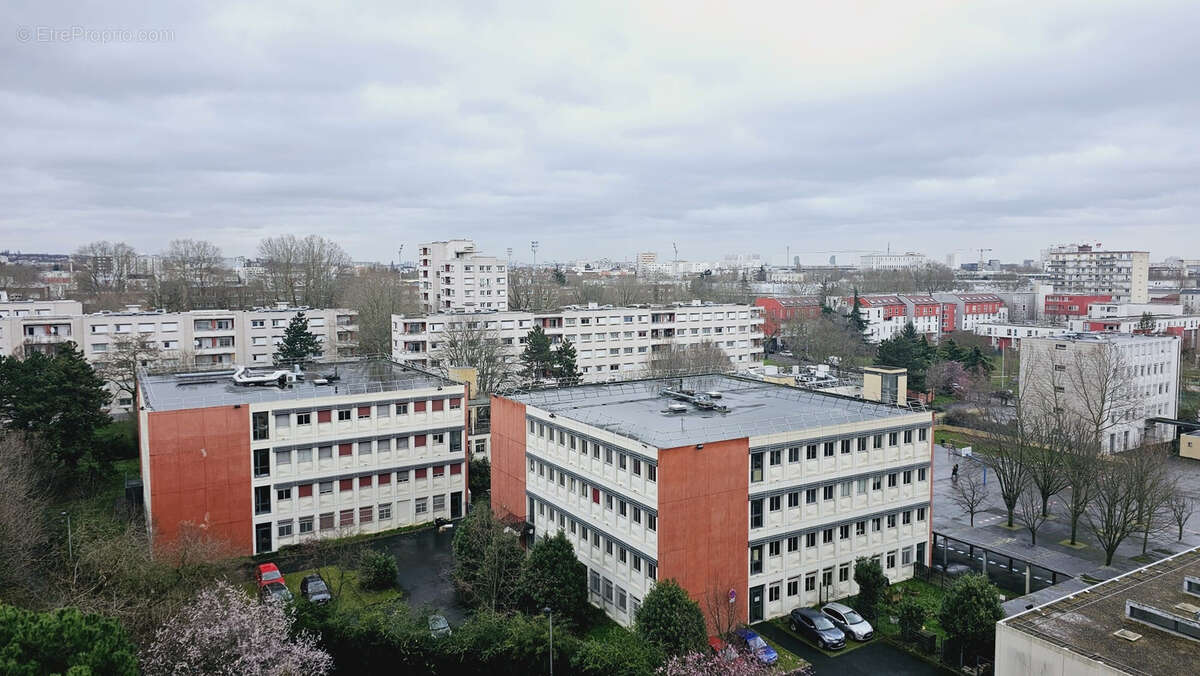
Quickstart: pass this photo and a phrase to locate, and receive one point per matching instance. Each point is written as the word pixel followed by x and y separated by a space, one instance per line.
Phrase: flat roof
pixel 1084 622
pixel 184 389
pixel 636 409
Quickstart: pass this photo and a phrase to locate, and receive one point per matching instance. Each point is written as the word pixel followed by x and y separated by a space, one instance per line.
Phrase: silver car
pixel 851 623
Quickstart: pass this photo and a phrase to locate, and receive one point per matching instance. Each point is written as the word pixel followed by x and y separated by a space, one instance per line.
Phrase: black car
pixel 314 589
pixel 275 592
pixel 811 624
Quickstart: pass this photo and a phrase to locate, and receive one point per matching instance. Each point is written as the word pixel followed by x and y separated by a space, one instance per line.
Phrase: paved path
pixel 872 660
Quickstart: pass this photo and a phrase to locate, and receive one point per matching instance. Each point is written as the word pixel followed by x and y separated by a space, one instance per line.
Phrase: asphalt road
pixel 872 660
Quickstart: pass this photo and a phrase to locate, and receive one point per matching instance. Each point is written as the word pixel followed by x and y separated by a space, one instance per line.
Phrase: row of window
pixel 844 572
pixel 262 494
pixel 361 516
pixel 600 543
pixel 829 449
pixel 261 428
pixel 612 502
pixel 793 543
pixel 283 456
pixel 624 461
pixel 604 591
pixel 843 489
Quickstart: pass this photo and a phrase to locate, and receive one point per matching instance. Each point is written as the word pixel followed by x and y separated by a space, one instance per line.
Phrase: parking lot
pixel 425 559
pixel 870 660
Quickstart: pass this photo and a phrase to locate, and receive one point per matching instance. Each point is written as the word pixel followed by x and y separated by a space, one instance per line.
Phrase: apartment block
pixel 267 458
pixel 1083 270
pixel 972 309
pixel 779 310
pixel 611 343
pixel 455 276
pixel 1185 327
pixel 201 337
pixel 1008 335
pixel 1064 306
pixel 741 490
pixel 1127 379
pixel 889 261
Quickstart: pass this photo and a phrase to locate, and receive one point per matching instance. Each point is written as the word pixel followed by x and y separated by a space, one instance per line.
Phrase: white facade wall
pixel 1108 310
pixel 453 276
pixel 610 343
pixel 1124 275
pixel 1150 380
pixel 833 494
pixel 902 261
pixel 382 432
pixel 601 490
pixel 1017 331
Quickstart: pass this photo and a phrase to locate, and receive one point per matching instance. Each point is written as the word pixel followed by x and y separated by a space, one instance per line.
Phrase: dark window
pixel 262 462
pixel 344 414
pixel 794 454
pixel 262 426
pixel 262 500
pixel 756 513
pixel 756 467
pixel 810 452
pixel 775 503
pixel 756 564
pixel 776 457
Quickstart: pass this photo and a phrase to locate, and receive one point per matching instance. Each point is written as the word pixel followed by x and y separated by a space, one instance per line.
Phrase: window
pixel 827 492
pixel 875 524
pixel 878 441
pixel 793 499
pixel 262 500
pixel 421 506
pixel 793 543
pixel 793 586
pixel 776 457
pixel 844 572
pixel 652 472
pixel 345 485
pixel 306 524
pixel 652 522
pixel 773 548
pixel 845 446
pixel 891 560
pixel 343 414
pixel 827 577
pixel 892 438
pixel 827 536
pixel 920 514
pixel 775 503
pixel 906 556
pixel 756 565
pixel 773 592
pixel 261 425
pixel 756 467
pixel 861 487
pixel 810 496
pixel 862 443
pixel 860 528
pixel 906 517
pixel 828 450
pixel 327 521
pixel 402 409
pixel 845 492
pixel 908 436
pixel 921 434
pixel 262 462
pixel 325 487
pixel 325 452
pixel 891 520
pixel 892 480
pixel 283 494
pixel 345 449
pixel 794 454
pixel 876 482
pixel 285 528
pixel 921 474
pixel 364 448
pixel 810 582
pixel 303 418
pixel 844 532
pixel 346 517
pixel 810 539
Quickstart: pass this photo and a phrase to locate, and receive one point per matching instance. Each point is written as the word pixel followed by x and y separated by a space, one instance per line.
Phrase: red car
pixel 266 573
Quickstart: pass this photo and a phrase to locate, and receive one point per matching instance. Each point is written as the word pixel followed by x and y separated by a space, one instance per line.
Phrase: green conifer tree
pixel 299 344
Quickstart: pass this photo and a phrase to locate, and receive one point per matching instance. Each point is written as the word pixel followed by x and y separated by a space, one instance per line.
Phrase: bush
pixel 671 620
pixel 479 475
pixel 376 569
pixel 970 610
pixel 912 618
pixel 61 642
pixel 553 577
pixel 871 581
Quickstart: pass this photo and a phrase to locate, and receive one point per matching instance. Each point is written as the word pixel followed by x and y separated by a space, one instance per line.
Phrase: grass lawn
pixel 928 595
pixel 959 439
pixel 348 594
pixel 97 510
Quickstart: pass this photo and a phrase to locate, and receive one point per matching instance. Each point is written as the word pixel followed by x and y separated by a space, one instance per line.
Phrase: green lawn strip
pixel 781 623
pixel 959 439
pixel 343 584
pixel 788 661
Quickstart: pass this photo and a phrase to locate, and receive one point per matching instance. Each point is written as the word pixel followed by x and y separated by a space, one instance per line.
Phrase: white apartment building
pixel 1080 269
pixel 890 261
pixel 1009 334
pixel 1131 377
pixel 611 343
pixel 973 309
pixel 454 276
pixel 200 337
pixel 766 503
pixel 262 466
pixel 1110 310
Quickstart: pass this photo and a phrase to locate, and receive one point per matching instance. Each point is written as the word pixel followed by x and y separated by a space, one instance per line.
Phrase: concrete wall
pixel 1189 446
pixel 1019 654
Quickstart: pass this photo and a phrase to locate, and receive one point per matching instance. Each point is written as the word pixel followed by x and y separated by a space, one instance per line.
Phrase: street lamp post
pixel 551 616
pixel 70 547
pixel 533 246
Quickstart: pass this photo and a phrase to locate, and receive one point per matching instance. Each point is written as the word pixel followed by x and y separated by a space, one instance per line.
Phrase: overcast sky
pixel 605 129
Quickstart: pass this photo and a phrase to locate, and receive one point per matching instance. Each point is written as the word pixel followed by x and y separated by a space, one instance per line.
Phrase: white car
pixel 850 622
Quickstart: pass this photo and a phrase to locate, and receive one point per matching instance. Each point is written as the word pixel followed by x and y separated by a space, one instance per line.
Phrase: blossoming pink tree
pixel 702 664
pixel 224 631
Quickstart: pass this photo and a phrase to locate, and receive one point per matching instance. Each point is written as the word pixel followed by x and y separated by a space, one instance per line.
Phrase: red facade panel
pixel 508 459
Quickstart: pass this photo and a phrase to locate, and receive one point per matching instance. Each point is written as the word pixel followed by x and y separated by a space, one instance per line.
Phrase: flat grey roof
pixel 634 409
pixel 1085 621
pixel 198 388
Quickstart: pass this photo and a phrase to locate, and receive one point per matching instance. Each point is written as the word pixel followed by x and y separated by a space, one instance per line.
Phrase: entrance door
pixel 262 538
pixel 756 604
pixel 456 505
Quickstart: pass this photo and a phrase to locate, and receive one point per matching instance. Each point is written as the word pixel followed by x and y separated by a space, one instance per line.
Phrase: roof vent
pixel 1127 635
pixel 1188 609
pixel 713 394
pixel 675 407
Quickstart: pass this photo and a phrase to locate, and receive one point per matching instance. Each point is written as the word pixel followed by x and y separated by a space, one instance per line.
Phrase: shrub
pixel 871 581
pixel 64 641
pixel 376 569
pixel 671 620
pixel 912 618
pixel 970 610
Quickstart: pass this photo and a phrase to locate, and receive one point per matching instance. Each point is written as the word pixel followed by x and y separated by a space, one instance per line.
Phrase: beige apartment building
pixel 1083 270
pixel 453 275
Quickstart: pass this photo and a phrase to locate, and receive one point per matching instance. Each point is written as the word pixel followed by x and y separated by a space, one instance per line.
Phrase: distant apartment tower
pixel 646 260
pixel 1113 381
pixel 890 261
pixel 611 343
pixel 264 459
pixel 454 276
pixel 1083 270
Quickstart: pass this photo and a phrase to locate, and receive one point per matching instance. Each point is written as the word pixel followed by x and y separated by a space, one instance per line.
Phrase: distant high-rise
pixel 1082 270
pixel 454 276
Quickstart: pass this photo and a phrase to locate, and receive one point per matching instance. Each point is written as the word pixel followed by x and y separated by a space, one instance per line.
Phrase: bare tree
pixel 1081 462
pixel 23 534
pixel 1046 458
pixel 281 259
pixel 1181 507
pixel 629 290
pixel 377 295
pixel 324 262
pixel 467 342
pixel 532 289
pixel 828 335
pixel 125 355
pixel 1004 449
pixel 1030 513
pixel 1153 487
pixel 720 612
pixel 1111 515
pixel 103 268
pixel 970 491
pixel 196 267
pixel 680 358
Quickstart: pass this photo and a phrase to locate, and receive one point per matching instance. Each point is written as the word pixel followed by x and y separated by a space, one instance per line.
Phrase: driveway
pixel 871 660
pixel 425 559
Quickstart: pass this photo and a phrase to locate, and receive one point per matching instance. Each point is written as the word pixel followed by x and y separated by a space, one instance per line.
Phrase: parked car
pixel 850 622
pixel 813 625
pixel 438 626
pixel 314 589
pixel 757 646
pixel 267 573
pixel 276 592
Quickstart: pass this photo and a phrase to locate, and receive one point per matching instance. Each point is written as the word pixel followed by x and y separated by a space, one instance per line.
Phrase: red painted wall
pixel 704 519
pixel 200 472
pixel 508 458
